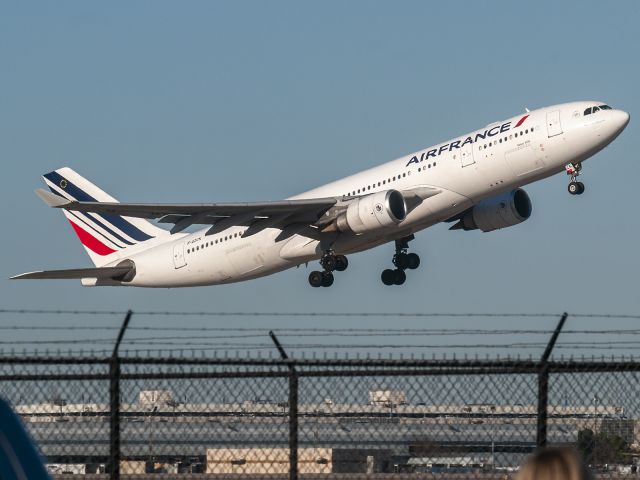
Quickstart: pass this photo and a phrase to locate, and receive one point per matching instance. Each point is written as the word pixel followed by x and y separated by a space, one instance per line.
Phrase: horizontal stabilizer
pixel 78 273
pixel 52 199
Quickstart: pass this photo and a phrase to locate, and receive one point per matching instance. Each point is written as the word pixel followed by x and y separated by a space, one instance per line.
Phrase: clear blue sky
pixel 235 101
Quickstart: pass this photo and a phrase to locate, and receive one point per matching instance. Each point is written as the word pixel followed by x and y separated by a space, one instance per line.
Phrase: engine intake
pixel 505 210
pixel 373 212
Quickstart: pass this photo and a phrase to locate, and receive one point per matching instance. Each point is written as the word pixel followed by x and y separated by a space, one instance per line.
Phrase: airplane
pixel 472 181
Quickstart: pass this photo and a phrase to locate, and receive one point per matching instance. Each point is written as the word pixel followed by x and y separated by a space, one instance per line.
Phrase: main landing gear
pixel 575 188
pixel 330 262
pixel 402 261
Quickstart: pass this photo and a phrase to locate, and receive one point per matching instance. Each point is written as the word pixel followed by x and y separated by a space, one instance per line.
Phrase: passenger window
pixel 419 169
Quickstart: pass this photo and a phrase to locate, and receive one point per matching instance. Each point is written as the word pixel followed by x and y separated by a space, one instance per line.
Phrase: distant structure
pixel 387 397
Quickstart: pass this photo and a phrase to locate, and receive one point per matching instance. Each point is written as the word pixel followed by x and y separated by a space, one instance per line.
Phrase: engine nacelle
pixel 373 212
pixel 505 210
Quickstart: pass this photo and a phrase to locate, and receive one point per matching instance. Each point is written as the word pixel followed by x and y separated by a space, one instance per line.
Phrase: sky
pixel 248 100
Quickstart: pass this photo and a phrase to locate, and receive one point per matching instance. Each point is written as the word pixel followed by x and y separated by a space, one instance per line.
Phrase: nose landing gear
pixel 330 262
pixel 402 261
pixel 575 187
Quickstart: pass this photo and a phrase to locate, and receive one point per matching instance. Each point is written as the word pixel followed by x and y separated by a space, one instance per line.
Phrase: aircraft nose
pixel 620 120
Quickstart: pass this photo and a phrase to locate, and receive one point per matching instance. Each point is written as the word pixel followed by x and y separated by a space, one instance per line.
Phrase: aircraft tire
pixel 413 261
pixel 329 262
pixel 315 279
pixel 388 276
pixel 574 188
pixel 400 260
pixel 399 277
pixel 341 263
pixel 327 279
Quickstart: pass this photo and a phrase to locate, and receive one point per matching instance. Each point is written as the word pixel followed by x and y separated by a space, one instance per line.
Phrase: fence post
pixel 543 384
pixel 293 411
pixel 114 404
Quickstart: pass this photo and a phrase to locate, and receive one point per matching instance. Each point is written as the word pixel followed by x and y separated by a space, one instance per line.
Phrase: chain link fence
pixel 233 418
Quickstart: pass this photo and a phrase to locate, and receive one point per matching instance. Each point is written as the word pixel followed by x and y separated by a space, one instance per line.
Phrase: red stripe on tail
pixel 90 241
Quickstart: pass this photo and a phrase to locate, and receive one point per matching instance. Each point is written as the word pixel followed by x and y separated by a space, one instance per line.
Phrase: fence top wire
pixel 233 358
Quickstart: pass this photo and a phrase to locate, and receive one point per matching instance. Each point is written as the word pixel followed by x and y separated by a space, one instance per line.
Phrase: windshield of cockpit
pixel 591 110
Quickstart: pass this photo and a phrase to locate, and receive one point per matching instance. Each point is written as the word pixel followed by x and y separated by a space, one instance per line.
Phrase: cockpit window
pixel 596 109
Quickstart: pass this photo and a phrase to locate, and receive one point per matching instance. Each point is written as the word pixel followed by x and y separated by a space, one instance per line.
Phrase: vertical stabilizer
pixel 104 236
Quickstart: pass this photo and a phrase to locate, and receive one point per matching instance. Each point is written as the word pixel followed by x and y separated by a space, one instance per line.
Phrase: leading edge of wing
pixel 152 210
pixel 75 273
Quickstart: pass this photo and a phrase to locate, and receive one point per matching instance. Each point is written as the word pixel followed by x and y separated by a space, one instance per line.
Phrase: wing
pixel 220 215
pixel 306 216
pixel 115 273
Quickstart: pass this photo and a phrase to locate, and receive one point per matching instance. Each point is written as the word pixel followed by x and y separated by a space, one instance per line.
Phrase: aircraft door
pixel 466 155
pixel 553 123
pixel 179 260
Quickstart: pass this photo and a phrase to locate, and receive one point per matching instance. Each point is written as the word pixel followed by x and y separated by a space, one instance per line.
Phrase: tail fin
pixel 105 237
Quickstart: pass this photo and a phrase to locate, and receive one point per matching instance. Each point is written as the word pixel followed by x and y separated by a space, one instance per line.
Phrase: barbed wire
pixel 24 311
pixel 284 332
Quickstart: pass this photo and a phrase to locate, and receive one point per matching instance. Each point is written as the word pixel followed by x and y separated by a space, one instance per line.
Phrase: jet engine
pixel 505 210
pixel 373 212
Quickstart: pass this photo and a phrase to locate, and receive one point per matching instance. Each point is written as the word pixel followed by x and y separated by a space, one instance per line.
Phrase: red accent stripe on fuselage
pixel 521 121
pixel 90 241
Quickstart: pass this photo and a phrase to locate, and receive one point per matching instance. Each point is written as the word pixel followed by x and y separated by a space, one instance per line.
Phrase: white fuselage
pixel 467 169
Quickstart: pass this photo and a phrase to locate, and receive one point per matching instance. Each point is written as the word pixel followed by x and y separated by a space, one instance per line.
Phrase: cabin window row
pixel 505 138
pixel 428 166
pixel 213 242
pixel 380 183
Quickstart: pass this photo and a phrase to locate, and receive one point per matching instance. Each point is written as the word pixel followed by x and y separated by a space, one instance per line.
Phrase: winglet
pixel 52 199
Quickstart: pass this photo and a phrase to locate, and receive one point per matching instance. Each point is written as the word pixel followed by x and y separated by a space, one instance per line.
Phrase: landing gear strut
pixel 402 261
pixel 575 187
pixel 329 262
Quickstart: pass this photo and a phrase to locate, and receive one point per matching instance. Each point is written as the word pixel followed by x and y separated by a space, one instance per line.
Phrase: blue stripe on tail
pixel 80 195
pixel 92 218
